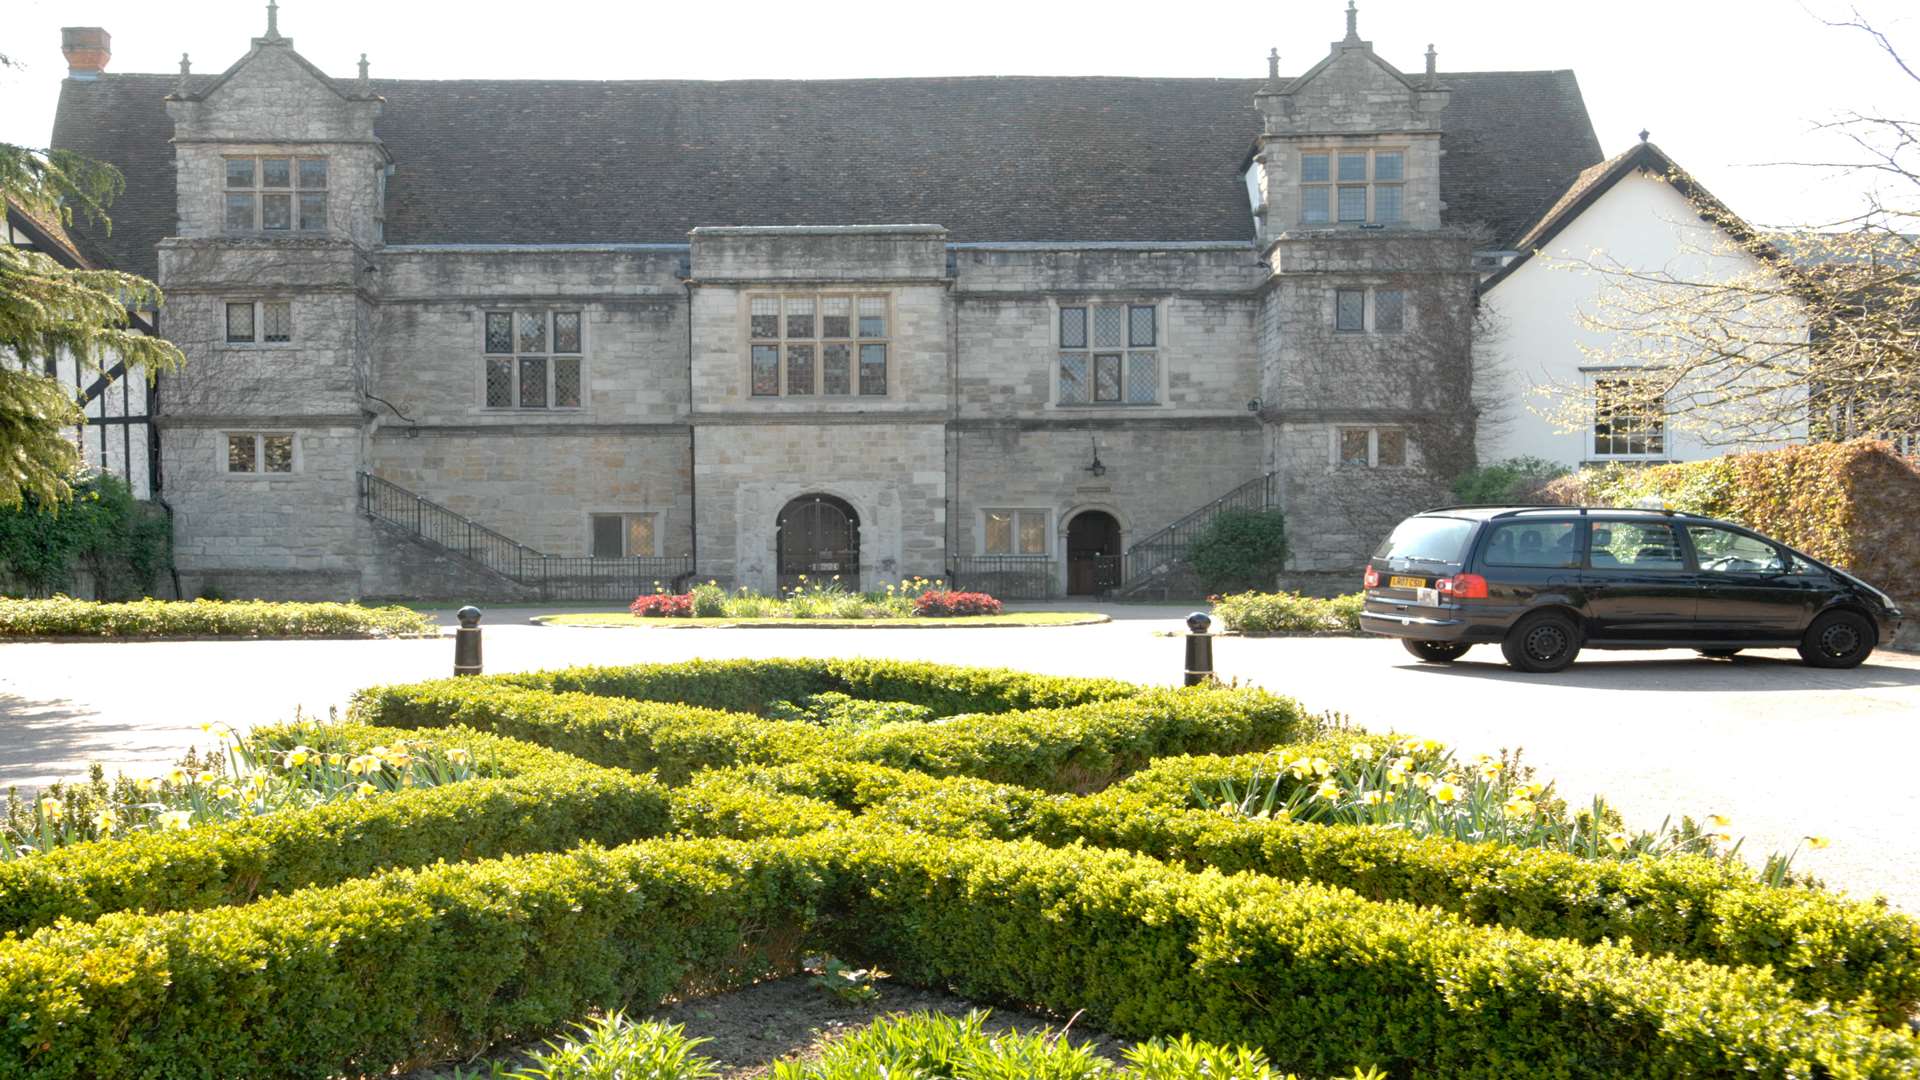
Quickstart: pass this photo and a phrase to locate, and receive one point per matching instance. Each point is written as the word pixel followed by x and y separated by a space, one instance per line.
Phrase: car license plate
pixel 1407 582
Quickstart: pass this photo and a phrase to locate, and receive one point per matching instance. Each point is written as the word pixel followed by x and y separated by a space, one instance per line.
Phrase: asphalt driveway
pixel 1784 750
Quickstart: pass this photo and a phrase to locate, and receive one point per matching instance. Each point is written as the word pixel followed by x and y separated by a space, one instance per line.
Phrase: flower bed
pixel 66 617
pixel 817 600
pixel 1288 613
pixel 924 820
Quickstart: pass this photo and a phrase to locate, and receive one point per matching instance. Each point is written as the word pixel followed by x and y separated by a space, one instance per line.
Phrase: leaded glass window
pixel 1350 310
pixel 1390 446
pixel 1014 532
pixel 873 369
pixel 1370 447
pixel 1105 354
pixel 1106 376
pixel 258 452
pixel 615 536
pixel 276 321
pixel 240 322
pixel 276 194
pixel 1389 311
pixel 834 362
pixel 533 359
pixel 1352 187
pixel 806 345
pixel 1354 446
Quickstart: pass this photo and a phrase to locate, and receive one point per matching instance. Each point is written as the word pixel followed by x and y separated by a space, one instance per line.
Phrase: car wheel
pixel 1541 643
pixel 1719 654
pixel 1435 652
pixel 1838 639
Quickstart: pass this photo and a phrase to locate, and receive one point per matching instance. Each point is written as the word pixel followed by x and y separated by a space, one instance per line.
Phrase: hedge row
pixel 748 685
pixel 415 965
pixel 539 801
pixel 1826 947
pixel 1075 748
pixel 66 617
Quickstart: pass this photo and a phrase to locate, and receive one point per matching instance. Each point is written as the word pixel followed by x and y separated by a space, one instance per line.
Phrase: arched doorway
pixel 1093 553
pixel 819 536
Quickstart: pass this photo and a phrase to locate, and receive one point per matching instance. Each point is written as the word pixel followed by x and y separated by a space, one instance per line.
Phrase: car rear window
pixel 1533 543
pixel 1428 539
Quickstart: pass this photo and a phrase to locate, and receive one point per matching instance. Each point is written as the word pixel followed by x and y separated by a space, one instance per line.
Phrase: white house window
pixel 1624 426
pixel 259 452
pixel 532 359
pixel 1369 447
pixel 276 194
pixel 1015 532
pixel 807 345
pixel 616 536
pixel 259 321
pixel 1109 354
pixel 1352 187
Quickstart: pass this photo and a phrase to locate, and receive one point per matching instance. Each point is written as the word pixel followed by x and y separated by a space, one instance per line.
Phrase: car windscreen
pixel 1428 540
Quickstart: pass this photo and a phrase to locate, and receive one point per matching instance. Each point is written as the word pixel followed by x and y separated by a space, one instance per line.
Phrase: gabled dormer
pixel 1353 143
pixel 274 148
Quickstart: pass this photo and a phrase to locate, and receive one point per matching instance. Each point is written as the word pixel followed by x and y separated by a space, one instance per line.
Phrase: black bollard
pixel 1199 649
pixel 466 642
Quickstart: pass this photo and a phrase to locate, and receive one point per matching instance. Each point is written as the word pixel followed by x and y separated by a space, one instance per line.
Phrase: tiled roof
pixel 58 242
pixel 992 159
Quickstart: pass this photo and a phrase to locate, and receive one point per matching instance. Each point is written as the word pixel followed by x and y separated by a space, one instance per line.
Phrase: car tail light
pixel 1462 587
pixel 1372 578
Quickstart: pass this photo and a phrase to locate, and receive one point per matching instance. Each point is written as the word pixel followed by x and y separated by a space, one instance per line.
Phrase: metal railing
pixel 1008 577
pixel 1169 545
pixel 554 577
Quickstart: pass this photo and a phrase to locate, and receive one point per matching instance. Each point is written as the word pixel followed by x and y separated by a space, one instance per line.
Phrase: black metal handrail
pixel 1172 543
pixel 557 577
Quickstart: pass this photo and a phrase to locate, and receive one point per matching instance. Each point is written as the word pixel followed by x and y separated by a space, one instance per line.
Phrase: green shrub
pixel 1289 613
pixel 416 965
pixel 1240 549
pixel 709 601
pixel 1079 747
pixel 1511 480
pixel 122 542
pixel 615 1048
pixel 542 801
pixel 64 617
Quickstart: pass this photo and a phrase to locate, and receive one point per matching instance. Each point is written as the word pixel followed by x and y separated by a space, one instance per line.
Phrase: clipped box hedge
pixel 1074 747
pixel 64 616
pixel 540 801
pixel 1825 946
pixel 416 965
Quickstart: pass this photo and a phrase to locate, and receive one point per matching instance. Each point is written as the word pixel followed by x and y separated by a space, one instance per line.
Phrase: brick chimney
pixel 87 48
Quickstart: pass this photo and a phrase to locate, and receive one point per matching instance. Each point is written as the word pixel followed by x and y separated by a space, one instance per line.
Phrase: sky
pixel 1726 88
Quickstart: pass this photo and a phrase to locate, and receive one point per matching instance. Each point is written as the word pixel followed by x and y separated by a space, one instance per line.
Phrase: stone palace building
pixel 468 338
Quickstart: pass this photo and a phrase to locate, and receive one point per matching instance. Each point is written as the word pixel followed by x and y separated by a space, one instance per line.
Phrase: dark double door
pixel 1093 553
pixel 818 536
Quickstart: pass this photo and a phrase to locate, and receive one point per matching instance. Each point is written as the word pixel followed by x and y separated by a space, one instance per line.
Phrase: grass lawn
pixel 1017 618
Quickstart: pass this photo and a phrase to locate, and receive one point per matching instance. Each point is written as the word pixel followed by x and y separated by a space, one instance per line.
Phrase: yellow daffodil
pixel 363 764
pixel 1490 770
pixel 458 756
pixel 1617 841
pixel 146 785
pixel 1322 767
pixel 1528 791
pixel 298 756
pixel 336 760
pixel 1444 793
pixel 1401 764
pixel 1361 752
pixel 1723 837
pixel 1229 808
pixel 1432 746
pixel 176 819
pixel 1424 781
pixel 1396 778
pixel 224 791
pixel 1373 798
pixel 178 777
pixel 1719 821
pixel 1517 808
pixel 1327 790
pixel 1815 843
pixel 1300 767
pixel 50 807
pixel 366 789
pixel 105 822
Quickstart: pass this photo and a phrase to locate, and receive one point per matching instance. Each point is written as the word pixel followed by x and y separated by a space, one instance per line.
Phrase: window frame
pixel 1092 352
pixel 548 354
pixel 1336 459
pixel 857 343
pixel 655 519
pixel 1325 191
pixel 259 190
pixel 1046 532
pixel 1681 545
pixel 1591 434
pixel 258 341
pixel 223 454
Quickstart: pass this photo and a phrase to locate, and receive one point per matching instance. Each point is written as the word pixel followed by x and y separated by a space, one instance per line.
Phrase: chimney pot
pixel 87 48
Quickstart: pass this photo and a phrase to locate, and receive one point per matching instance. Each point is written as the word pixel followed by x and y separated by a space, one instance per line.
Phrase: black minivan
pixel 1545 581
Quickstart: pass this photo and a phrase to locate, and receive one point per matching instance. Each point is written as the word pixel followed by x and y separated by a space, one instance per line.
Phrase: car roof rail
pixel 1496 506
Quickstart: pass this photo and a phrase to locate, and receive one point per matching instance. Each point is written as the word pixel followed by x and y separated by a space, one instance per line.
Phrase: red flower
pixel 945 602
pixel 664 605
